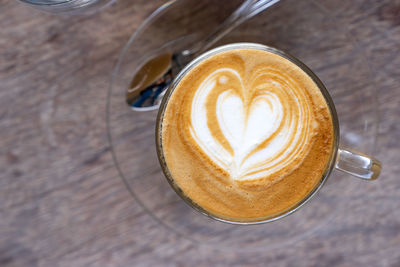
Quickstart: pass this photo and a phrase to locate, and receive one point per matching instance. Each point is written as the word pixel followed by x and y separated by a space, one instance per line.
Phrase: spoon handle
pixel 248 9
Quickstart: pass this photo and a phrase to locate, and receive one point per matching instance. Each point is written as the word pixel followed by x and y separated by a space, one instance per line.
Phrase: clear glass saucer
pixel 322 41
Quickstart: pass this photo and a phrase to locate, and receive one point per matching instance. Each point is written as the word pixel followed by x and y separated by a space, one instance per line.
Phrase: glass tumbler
pixel 69 7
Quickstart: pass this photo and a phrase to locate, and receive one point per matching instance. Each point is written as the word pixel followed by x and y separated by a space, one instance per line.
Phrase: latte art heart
pixel 252 130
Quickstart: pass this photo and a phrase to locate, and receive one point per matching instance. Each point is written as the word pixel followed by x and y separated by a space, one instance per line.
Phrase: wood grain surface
pixel 62 200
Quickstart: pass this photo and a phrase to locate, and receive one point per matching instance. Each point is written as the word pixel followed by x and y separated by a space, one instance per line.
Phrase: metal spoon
pixel 149 84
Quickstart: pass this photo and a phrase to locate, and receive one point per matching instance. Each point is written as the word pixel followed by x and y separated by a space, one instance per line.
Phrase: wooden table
pixel 62 202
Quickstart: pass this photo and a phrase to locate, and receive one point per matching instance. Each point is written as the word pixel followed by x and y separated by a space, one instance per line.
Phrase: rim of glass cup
pixel 44 3
pixel 301 65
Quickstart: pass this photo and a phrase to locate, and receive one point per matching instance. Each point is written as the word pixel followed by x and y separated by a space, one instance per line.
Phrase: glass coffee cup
pixel 341 158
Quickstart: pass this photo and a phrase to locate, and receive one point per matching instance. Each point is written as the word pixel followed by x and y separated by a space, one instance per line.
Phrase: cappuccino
pixel 246 134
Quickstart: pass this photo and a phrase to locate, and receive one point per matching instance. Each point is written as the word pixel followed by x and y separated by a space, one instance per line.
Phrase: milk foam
pixel 266 122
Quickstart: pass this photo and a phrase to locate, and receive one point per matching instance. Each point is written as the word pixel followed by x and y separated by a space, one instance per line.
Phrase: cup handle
pixel 357 164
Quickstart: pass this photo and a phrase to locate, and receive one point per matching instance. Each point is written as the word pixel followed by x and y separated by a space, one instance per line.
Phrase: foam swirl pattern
pixel 261 121
pixel 242 130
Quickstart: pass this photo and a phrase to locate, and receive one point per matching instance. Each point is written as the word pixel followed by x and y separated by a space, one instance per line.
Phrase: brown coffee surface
pixel 246 134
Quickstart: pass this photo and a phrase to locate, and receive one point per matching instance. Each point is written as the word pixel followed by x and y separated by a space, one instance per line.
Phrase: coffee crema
pixel 246 134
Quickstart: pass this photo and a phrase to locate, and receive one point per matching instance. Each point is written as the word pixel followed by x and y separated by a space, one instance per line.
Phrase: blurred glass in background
pixel 69 7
